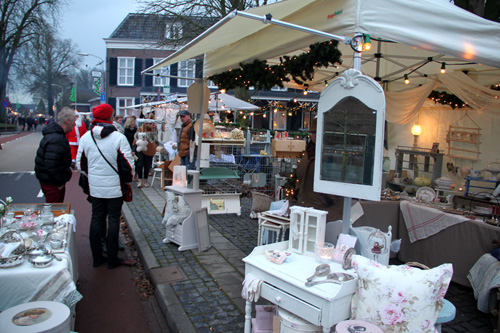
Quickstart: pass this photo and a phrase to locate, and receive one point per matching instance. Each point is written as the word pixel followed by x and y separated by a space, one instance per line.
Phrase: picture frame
pixel 203 230
pixel 435 147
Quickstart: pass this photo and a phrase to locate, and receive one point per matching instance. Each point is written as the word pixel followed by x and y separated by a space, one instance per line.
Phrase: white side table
pixel 284 285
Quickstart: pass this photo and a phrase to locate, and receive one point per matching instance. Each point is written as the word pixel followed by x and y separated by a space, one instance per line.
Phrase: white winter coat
pixel 104 182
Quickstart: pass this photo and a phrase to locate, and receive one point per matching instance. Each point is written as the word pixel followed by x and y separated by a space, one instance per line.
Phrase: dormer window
pixel 174 31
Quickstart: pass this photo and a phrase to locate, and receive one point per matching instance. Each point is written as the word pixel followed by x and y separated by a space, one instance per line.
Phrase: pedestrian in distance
pixel 104 155
pixel 53 157
pixel 186 138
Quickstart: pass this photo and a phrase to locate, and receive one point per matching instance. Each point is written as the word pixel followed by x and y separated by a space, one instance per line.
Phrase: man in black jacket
pixel 53 157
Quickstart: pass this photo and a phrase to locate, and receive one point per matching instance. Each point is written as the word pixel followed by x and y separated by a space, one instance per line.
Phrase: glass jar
pixel 47 215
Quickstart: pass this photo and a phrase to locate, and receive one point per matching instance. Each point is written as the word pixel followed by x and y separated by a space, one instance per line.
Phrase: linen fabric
pixel 399 298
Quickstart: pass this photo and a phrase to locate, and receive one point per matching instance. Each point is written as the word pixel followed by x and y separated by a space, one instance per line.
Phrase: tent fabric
pixel 402 107
pixel 223 102
pixel 421 29
pixel 471 92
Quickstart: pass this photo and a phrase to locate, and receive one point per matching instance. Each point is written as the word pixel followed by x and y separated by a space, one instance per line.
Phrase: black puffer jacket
pixel 53 157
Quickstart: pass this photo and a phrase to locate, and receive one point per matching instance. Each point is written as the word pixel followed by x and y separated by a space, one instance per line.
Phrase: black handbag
pixel 84 183
pixel 126 188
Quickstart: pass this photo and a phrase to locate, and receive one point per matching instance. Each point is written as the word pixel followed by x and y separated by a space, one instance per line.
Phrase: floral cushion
pixel 399 298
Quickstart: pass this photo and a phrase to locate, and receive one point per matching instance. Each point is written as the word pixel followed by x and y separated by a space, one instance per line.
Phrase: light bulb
pixel 443 68
pixel 416 129
pixel 407 80
pixel 367 46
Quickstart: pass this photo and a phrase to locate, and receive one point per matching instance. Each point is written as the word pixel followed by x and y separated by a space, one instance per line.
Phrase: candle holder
pixel 323 253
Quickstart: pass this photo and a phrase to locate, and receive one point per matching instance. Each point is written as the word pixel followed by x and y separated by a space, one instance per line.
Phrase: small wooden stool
pixel 348 326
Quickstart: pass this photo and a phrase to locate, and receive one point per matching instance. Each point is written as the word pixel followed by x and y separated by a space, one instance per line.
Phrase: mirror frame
pixel 352 83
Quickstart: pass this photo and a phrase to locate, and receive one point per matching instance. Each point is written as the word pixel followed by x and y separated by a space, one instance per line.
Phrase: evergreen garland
pixel 262 76
pixel 446 99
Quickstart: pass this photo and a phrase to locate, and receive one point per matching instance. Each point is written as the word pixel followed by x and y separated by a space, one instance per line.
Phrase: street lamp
pixel 55 101
pixel 103 71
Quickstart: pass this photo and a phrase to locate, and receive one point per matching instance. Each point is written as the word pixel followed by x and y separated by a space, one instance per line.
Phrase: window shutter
pixel 112 102
pixel 198 68
pixel 113 71
pixel 138 76
pixel 174 72
pixel 148 79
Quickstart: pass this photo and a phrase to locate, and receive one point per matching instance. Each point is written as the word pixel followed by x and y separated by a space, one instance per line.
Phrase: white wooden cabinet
pixel 284 285
pixel 184 234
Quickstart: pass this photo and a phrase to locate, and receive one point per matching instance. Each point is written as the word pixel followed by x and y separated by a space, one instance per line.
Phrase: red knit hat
pixel 102 111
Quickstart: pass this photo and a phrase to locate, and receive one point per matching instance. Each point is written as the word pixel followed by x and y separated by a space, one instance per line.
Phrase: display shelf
pixel 468 184
pixel 419 160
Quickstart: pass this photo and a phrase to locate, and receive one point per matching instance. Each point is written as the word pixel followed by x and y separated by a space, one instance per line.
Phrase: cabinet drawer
pixel 291 303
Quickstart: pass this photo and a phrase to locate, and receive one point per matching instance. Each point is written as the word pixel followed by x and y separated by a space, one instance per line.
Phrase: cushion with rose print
pixel 399 298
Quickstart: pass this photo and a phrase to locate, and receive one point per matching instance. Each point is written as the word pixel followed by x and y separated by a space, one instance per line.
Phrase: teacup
pixel 474 173
pixel 56 243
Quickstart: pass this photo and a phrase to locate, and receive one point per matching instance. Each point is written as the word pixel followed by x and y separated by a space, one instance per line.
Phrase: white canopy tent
pixel 408 37
pixel 224 102
pixel 420 29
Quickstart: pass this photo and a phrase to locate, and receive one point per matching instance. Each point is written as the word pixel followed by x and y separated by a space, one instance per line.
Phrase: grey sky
pixel 87 22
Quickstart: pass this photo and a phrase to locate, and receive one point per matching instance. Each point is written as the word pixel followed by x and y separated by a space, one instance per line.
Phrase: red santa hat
pixel 102 112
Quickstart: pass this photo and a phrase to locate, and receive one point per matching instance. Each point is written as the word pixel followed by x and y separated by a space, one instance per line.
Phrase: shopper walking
pixel 104 155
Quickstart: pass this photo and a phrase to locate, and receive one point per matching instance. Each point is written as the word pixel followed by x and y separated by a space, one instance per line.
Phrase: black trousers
pixel 142 165
pixel 102 209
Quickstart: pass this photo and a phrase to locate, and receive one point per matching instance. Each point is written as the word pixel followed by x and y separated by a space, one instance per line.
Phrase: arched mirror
pixel 350 132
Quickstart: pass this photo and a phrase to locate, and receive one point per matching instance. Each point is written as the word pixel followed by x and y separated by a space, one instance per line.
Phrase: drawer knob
pixel 277 299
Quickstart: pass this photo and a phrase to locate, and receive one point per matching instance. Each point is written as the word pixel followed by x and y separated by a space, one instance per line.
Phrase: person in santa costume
pixel 74 136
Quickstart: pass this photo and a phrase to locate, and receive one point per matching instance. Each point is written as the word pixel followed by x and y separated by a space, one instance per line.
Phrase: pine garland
pixel 262 76
pixel 446 99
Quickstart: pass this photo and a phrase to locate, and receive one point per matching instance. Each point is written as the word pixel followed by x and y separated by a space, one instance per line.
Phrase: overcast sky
pixel 87 22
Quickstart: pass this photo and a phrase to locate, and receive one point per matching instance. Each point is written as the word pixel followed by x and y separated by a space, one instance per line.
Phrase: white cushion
pixel 399 298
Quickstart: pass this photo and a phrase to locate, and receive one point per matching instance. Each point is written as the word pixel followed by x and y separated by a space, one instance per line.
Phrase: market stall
pixel 43 266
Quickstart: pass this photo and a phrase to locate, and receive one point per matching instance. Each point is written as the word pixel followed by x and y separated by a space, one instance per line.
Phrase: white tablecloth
pixel 25 283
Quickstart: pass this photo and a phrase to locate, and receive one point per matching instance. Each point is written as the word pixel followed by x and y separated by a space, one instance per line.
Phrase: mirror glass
pixel 348 142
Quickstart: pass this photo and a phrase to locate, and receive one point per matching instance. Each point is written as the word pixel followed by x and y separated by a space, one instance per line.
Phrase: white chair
pixel 156 172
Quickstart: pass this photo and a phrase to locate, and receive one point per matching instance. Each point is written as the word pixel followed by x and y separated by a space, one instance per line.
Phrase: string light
pixel 305 92
pixel 367 46
pixel 443 68
pixel 407 80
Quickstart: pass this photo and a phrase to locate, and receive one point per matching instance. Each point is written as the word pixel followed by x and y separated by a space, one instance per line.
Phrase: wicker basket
pixel 17 256
pixel 261 202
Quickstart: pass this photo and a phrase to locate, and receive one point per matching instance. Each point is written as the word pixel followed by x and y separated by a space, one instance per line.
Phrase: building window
pixel 211 84
pixel 306 120
pixel 126 67
pixel 161 81
pixel 279 120
pixel 122 103
pixel 174 31
pixel 186 69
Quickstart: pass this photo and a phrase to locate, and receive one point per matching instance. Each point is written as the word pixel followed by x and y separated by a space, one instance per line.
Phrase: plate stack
pixel 444 183
pixel 41 316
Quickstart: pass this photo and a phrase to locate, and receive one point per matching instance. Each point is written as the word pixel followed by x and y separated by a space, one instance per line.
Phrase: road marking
pixel 40 194
pixel 15 172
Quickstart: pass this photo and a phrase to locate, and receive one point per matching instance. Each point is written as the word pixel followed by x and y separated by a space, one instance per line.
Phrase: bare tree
pixel 489 9
pixel 47 61
pixel 19 22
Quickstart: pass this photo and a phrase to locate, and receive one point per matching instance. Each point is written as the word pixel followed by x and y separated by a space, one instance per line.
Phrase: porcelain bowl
pixel 41 261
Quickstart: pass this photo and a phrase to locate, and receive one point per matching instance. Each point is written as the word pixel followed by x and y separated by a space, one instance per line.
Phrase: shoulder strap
pixel 92 134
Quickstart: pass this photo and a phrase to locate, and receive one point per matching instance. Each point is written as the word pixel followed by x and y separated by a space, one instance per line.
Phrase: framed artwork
pixel 435 147
pixel 344 243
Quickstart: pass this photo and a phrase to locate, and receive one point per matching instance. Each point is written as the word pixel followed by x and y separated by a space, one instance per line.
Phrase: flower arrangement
pixel 4 205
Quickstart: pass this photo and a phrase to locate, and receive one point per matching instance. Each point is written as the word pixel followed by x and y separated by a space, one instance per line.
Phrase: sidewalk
pixel 201 292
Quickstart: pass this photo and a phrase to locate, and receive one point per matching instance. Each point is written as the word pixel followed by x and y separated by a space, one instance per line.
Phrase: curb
pixel 176 317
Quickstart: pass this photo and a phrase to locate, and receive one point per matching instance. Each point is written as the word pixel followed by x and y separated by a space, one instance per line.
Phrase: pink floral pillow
pixel 399 298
